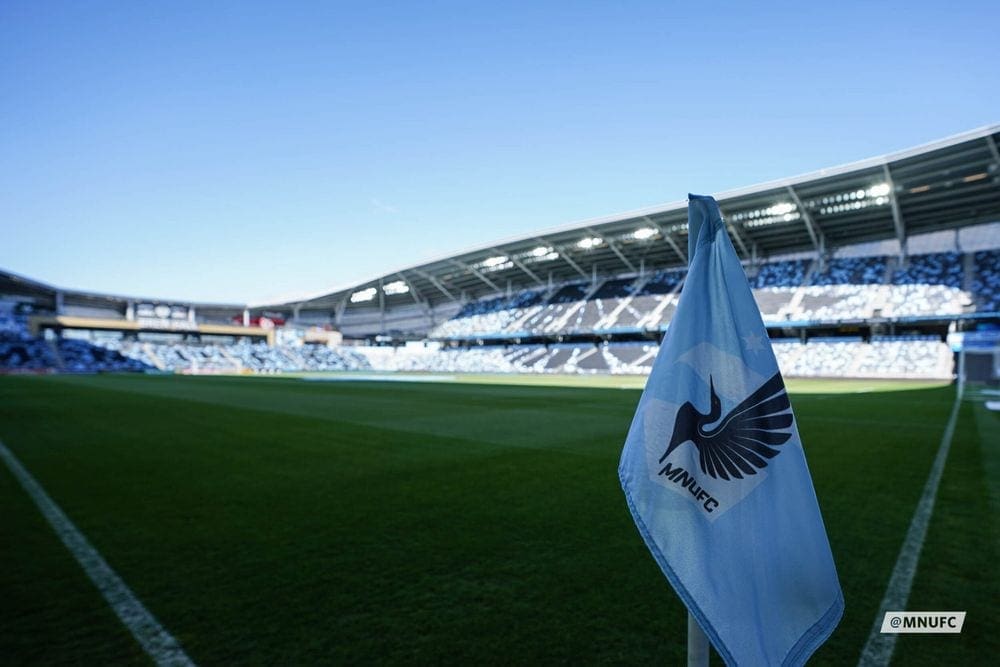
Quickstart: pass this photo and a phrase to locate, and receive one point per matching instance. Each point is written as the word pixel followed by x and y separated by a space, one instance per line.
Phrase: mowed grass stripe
pixel 50 614
pixel 488 414
pixel 958 568
pixel 879 648
pixel 155 640
pixel 257 534
pixel 302 531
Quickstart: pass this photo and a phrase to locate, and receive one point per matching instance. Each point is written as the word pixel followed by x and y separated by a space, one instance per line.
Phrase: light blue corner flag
pixel 715 476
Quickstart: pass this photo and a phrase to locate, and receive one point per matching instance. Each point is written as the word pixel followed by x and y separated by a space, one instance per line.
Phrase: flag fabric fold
pixel 715 475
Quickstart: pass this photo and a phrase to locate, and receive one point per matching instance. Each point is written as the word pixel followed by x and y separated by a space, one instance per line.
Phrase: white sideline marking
pixel 879 647
pixel 379 378
pixel 159 644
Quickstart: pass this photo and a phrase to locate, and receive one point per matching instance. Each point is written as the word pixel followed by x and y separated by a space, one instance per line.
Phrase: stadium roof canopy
pixel 946 184
pixel 954 182
pixel 13 283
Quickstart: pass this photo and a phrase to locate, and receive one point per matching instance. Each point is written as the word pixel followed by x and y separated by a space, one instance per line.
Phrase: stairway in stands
pixel 56 355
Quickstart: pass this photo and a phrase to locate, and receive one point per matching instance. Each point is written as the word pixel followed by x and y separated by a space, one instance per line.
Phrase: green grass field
pixel 280 521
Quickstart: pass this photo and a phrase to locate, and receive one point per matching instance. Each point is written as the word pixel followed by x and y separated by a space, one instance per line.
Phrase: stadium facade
pixel 879 267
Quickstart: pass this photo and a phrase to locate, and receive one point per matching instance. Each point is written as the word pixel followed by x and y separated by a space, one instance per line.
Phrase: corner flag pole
pixel 697 639
pixel 697 644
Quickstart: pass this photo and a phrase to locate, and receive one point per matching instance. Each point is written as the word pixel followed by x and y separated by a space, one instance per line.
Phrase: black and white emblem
pixel 743 441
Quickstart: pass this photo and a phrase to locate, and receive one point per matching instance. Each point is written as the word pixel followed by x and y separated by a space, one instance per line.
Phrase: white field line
pixel 159 644
pixel 879 647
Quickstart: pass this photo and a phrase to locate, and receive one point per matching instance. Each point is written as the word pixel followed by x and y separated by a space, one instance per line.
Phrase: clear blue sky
pixel 237 151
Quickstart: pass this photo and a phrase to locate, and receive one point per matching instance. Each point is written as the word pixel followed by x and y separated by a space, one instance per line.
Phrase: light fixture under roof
pixel 878 190
pixel 781 209
pixel 396 287
pixel 644 233
pixel 363 295
pixel 541 251
pixel 589 242
pixel 491 262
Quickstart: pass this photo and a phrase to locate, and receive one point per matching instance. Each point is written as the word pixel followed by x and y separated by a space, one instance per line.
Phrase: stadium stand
pixel 26 355
pixel 791 273
pixel 79 356
pixel 493 315
pixel 653 303
pixel 852 271
pixel 846 289
pixel 243 356
pixel 852 288
pixel 896 357
pixel 930 285
pixel 19 351
pixel 912 356
pixel 835 268
pixel 985 285
pixel 905 357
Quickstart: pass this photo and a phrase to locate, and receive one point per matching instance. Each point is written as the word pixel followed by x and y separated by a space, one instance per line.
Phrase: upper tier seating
pixel 986 281
pixel 846 289
pixel 852 271
pixel 790 273
pixel 940 268
pixel 836 302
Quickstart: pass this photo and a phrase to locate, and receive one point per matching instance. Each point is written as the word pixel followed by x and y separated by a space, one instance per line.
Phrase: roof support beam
pixel 673 244
pixel 381 305
pixel 417 298
pixel 338 311
pixel 437 283
pixel 463 265
pixel 424 304
pixel 735 233
pixel 739 239
pixel 815 233
pixel 519 264
pixel 897 215
pixel 991 142
pixel 668 237
pixel 614 249
pixel 565 256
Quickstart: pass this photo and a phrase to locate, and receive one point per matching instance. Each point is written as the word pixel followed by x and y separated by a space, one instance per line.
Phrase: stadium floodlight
pixel 364 295
pixel 644 233
pixel 879 190
pixel 541 251
pixel 396 287
pixel 781 209
pixel 552 255
pixel 491 262
pixel 589 242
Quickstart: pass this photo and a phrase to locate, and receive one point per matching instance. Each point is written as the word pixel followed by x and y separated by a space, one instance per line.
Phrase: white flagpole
pixel 697 644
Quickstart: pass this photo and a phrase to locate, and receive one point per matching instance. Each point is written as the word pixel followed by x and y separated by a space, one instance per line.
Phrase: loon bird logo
pixel 740 444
